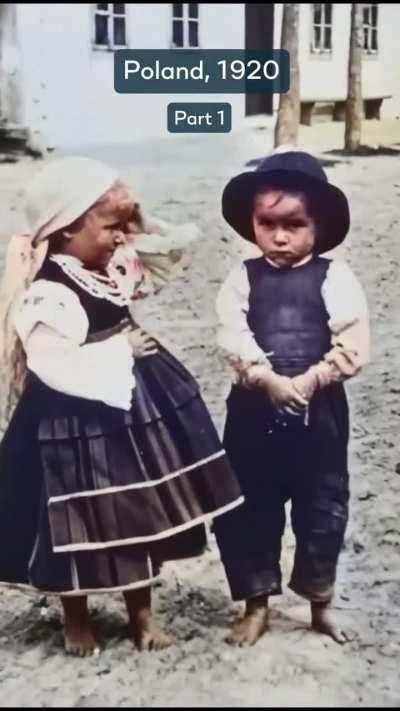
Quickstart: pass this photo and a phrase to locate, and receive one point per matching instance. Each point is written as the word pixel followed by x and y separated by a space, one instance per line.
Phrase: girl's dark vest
pixel 102 314
pixel 158 377
pixel 61 414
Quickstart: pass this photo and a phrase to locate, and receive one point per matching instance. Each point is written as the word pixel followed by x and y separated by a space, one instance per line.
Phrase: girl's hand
pixel 141 343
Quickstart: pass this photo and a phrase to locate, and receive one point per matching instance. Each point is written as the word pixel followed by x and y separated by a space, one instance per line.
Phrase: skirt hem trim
pixel 84 591
pixel 72 547
pixel 138 485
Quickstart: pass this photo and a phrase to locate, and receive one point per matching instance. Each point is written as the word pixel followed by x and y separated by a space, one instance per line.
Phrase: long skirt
pixel 94 498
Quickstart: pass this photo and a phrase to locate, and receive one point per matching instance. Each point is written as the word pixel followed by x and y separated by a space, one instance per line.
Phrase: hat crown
pixel 293 161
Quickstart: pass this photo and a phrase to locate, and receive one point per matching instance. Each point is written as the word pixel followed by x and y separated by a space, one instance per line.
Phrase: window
pixel 110 25
pixel 185 24
pixel 322 28
pixel 370 27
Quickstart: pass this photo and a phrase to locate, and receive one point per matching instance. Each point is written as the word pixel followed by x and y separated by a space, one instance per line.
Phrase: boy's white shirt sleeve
pixel 235 338
pixel 53 327
pixel 347 307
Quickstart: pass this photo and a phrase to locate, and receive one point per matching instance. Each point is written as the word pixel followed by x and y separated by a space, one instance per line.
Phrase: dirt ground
pixel 181 179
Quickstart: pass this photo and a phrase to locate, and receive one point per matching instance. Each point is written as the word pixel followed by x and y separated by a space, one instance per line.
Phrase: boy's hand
pixel 141 343
pixel 281 391
pixel 306 383
pixel 345 361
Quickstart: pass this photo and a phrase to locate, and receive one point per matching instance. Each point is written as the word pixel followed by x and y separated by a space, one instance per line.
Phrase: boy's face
pixel 283 229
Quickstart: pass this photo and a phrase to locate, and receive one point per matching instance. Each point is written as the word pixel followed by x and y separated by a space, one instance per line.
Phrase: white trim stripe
pixel 74 573
pixel 34 551
pixel 139 485
pixel 89 591
pixel 71 547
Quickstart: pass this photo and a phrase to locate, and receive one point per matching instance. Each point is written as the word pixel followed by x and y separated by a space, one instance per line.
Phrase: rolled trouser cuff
pixel 313 592
pixel 249 578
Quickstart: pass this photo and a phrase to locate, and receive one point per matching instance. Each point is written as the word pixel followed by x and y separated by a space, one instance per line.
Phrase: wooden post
pixel 288 118
pixel 354 104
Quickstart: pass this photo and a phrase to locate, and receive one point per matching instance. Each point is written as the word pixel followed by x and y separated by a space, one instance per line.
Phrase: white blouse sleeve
pixel 53 326
pixel 347 307
pixel 235 337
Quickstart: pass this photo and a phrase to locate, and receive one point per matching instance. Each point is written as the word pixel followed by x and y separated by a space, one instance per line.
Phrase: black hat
pixel 294 171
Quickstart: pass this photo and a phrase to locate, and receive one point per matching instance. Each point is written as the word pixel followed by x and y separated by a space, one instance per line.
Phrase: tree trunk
pixel 354 103
pixel 288 119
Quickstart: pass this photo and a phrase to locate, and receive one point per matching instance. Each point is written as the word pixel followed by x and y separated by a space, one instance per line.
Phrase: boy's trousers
pixel 276 462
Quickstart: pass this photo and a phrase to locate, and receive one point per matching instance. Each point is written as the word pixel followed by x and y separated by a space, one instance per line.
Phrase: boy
pixel 294 325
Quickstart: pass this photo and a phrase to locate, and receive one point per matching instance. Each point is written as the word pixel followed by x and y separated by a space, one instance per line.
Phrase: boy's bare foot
pixel 323 620
pixel 146 634
pixel 247 630
pixel 79 639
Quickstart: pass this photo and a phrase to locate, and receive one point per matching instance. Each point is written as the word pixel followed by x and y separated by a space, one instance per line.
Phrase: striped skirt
pixel 116 493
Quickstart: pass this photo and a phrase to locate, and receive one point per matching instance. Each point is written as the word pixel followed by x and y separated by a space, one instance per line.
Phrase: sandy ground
pixel 181 179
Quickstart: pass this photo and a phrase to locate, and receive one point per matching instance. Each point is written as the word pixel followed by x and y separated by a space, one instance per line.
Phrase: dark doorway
pixel 259 35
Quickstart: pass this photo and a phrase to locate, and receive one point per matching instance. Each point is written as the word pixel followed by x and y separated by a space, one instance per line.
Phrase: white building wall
pixel 56 69
pixel 68 91
pixel 69 86
pixel 11 96
pixel 324 76
pixel 387 73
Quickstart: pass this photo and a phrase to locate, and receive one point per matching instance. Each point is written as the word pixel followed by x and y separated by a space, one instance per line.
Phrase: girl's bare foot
pixel 146 634
pixel 78 634
pixel 149 636
pixel 323 620
pixel 253 624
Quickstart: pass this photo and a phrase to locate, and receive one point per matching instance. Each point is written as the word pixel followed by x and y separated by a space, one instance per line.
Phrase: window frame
pixel 323 25
pixel 370 28
pixel 185 19
pixel 110 14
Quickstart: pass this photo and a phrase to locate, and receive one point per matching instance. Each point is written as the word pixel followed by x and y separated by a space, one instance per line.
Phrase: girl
pixel 110 463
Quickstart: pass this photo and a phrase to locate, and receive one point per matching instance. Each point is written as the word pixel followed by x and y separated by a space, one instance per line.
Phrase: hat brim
pixel 333 207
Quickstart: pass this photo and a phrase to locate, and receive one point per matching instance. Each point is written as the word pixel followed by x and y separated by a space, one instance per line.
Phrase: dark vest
pixel 287 313
pixel 64 416
pixel 102 314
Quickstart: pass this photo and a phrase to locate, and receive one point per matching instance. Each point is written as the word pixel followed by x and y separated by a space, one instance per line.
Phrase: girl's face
pixel 95 243
pixel 94 238
pixel 283 229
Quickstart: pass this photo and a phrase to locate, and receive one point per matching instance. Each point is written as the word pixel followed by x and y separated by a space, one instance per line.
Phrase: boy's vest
pixel 287 313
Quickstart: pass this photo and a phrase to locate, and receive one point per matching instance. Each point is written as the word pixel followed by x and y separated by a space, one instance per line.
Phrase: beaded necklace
pixel 97 284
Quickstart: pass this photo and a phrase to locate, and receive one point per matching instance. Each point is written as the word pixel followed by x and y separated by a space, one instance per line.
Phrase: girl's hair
pixel 117 201
pixel 23 261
